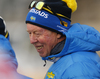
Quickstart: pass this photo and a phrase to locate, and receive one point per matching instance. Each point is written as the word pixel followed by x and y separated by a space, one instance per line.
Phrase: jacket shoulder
pixel 77 65
pixel 84 66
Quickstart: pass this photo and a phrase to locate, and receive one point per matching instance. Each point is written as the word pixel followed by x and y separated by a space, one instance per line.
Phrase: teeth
pixel 39 47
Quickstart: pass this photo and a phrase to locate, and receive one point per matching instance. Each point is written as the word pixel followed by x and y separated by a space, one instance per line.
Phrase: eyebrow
pixel 30 31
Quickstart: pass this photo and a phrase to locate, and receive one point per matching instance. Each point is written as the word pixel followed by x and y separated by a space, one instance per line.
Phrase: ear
pixel 58 36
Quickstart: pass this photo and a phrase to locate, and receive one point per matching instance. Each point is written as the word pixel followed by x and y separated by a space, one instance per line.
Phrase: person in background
pixel 8 61
pixel 72 47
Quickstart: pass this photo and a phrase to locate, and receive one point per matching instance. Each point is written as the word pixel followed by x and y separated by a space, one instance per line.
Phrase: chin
pixel 41 55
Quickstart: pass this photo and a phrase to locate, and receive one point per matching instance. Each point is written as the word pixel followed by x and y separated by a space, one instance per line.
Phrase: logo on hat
pixel 65 23
pixel 40 13
pixel 33 18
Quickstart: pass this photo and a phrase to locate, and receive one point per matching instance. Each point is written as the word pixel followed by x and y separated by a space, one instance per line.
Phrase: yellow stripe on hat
pixel 72 4
pixel 6 34
pixel 47 10
pixel 56 13
pixel 62 16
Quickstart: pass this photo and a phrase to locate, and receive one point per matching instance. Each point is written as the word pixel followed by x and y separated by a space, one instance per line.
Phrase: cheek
pixel 49 41
pixel 47 38
pixel 44 39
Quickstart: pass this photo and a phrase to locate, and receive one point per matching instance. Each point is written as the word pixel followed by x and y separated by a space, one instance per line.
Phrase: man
pixel 72 48
pixel 8 61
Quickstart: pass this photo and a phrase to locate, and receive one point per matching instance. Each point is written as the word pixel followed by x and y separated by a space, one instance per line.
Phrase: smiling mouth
pixel 40 47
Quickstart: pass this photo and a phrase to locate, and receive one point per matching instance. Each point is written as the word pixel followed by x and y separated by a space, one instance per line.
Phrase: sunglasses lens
pixel 39 5
pixel 32 4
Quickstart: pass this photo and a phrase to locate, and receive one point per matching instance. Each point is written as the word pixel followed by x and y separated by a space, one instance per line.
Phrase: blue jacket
pixel 8 61
pixel 78 59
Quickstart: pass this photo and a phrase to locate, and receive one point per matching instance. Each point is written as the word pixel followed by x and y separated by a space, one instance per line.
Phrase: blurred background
pixel 14 13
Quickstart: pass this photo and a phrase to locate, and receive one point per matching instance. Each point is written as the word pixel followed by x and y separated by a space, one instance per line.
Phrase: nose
pixel 33 39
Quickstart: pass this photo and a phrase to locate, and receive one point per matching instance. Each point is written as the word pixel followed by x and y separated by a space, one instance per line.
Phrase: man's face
pixel 43 39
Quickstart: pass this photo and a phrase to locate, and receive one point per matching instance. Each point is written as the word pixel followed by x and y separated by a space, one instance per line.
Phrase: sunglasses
pixel 39 5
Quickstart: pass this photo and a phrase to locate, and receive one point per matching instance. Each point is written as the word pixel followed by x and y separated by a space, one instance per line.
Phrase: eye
pixel 29 33
pixel 37 33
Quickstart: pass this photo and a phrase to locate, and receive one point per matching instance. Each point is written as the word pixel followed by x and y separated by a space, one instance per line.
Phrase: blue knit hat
pixel 55 15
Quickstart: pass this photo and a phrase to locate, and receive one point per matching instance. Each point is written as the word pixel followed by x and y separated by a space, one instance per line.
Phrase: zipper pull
pixel 45 63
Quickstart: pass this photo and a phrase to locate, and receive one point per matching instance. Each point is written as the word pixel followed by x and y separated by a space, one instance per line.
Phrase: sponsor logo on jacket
pixel 50 75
